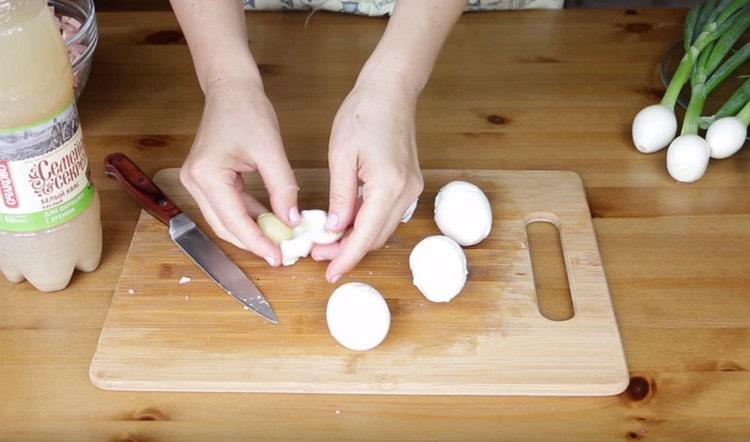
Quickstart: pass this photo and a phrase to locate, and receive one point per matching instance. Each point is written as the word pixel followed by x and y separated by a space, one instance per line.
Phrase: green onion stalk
pixel 656 126
pixel 720 19
pixel 688 155
pixel 730 107
pixel 709 72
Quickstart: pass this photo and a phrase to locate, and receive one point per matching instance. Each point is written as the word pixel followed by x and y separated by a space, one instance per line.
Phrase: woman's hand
pixel 373 136
pixel 239 133
pixel 372 140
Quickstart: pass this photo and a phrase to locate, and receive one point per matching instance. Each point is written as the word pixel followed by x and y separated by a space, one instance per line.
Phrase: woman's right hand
pixel 239 133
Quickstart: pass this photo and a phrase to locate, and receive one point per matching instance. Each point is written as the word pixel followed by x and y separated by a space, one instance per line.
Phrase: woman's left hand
pixel 373 140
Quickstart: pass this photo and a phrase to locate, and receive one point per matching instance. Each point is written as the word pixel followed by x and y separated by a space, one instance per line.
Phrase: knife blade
pixel 218 266
pixel 188 237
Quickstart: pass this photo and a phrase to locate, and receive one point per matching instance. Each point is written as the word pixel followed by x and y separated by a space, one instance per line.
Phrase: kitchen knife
pixel 187 235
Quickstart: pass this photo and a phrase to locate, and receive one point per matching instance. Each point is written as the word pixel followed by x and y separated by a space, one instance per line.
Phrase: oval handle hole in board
pixel 550 275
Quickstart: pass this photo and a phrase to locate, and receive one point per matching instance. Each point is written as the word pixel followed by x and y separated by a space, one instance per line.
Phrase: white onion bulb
pixel 726 136
pixel 687 158
pixel 654 127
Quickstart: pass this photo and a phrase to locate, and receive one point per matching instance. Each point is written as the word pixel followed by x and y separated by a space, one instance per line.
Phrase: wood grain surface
pixel 521 90
pixel 491 340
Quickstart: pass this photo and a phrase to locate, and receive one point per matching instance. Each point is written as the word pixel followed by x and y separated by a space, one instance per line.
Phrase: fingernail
pixel 270 260
pixel 332 221
pixel 335 278
pixel 294 215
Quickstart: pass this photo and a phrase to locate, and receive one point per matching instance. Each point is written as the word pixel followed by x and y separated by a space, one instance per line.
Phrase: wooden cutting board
pixel 490 340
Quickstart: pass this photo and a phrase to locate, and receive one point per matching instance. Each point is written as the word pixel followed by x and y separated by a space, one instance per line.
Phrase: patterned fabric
pixel 384 7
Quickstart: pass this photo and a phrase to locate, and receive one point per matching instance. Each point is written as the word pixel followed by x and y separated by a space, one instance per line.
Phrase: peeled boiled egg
pixel 358 317
pixel 463 213
pixel 438 267
pixel 274 228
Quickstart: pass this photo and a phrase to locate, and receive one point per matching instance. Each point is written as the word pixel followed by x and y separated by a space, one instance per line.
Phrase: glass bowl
pixel 87 36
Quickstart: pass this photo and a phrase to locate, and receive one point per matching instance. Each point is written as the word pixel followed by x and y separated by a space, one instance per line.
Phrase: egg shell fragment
pixel 312 224
pixel 311 230
pixel 294 249
pixel 406 217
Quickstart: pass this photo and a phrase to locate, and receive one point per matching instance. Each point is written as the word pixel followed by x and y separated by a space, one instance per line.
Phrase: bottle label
pixel 44 173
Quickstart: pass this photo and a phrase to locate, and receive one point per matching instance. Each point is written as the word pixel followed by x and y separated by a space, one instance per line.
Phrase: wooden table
pixel 525 90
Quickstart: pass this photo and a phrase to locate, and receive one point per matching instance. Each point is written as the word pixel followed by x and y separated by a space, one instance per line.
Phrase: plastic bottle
pixel 49 210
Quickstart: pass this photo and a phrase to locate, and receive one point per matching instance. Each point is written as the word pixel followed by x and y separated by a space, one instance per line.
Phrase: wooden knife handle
pixel 140 187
